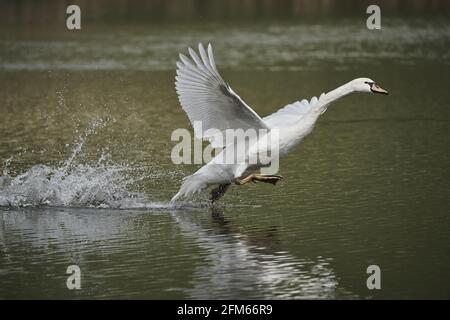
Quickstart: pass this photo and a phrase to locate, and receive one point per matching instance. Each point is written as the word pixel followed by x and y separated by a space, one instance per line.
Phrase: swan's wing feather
pixel 292 113
pixel 208 100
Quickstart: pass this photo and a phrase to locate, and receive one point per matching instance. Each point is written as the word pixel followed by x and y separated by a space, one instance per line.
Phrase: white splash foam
pixel 72 184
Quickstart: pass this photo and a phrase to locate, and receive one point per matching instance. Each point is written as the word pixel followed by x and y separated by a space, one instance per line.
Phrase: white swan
pixel 208 100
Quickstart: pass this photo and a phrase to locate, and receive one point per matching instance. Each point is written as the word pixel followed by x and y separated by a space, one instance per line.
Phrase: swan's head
pixel 367 85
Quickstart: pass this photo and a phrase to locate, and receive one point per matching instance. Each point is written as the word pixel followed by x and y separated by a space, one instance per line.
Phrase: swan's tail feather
pixel 191 185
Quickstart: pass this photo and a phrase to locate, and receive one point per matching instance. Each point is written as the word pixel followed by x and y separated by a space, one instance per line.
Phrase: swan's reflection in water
pixel 142 254
pixel 237 265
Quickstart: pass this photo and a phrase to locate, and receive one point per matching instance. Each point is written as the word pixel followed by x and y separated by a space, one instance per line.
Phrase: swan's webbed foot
pixel 266 178
pixel 269 178
pixel 218 192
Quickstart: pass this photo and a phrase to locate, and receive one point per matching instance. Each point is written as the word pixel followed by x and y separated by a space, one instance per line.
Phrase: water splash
pixel 73 184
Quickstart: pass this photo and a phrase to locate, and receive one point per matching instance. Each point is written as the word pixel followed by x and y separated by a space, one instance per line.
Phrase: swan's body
pixel 208 100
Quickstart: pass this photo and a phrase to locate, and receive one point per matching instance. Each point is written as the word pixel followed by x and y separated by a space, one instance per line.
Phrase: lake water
pixel 86 174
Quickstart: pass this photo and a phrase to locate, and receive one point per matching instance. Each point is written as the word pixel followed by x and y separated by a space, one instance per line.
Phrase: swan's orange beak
pixel 375 88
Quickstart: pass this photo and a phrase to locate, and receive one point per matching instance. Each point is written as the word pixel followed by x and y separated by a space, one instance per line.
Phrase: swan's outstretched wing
pixel 292 113
pixel 208 100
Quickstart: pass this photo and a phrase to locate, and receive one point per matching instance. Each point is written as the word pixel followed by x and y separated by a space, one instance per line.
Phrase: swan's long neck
pixel 338 93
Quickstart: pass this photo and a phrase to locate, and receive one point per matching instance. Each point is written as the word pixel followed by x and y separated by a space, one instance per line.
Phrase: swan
pixel 210 103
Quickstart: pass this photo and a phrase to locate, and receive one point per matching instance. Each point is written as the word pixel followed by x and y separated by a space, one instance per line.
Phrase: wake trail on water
pixel 73 184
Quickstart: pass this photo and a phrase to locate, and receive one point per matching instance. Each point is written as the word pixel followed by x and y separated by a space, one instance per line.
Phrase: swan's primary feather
pixel 209 100
pixel 292 113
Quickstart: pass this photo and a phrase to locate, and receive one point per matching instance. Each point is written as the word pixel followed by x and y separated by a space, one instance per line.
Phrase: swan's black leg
pixel 254 177
pixel 218 192
pixel 272 179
